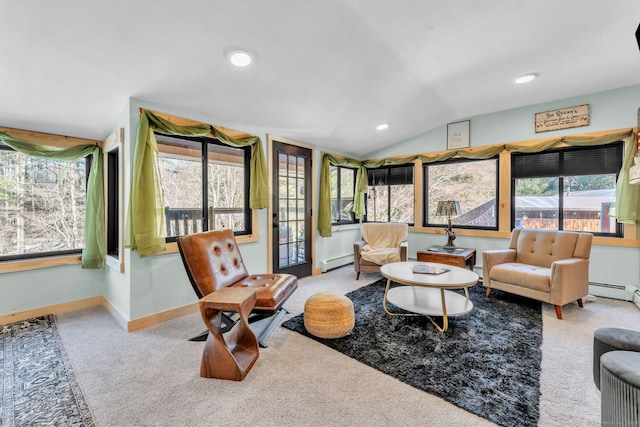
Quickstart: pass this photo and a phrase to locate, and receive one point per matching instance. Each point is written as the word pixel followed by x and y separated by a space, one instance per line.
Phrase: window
pixel 42 205
pixel 473 183
pixel 199 172
pixel 343 182
pixel 567 189
pixel 113 202
pixel 390 196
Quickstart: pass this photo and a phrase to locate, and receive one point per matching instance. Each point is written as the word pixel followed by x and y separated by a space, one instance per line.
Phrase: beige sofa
pixel 547 265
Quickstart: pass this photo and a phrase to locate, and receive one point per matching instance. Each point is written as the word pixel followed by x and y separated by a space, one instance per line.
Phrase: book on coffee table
pixel 427 269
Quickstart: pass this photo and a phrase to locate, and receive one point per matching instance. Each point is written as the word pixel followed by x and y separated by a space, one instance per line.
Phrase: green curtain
pixel 626 207
pixel 626 201
pixel 258 185
pixel 324 210
pixel 94 251
pixel 146 223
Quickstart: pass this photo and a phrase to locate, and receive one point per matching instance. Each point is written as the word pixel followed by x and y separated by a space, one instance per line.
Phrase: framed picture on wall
pixel 458 135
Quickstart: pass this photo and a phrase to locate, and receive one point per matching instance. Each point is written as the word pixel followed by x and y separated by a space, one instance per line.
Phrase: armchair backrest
pixel 543 247
pixel 212 260
pixel 384 234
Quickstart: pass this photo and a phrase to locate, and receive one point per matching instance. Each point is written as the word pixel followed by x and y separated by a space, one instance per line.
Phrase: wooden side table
pixel 232 356
pixel 460 257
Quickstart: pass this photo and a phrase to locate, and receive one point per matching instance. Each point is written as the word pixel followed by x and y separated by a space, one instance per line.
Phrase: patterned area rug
pixel 487 362
pixel 38 384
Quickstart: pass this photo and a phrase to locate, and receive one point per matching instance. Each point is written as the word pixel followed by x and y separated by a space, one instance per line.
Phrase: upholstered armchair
pixel 382 243
pixel 547 265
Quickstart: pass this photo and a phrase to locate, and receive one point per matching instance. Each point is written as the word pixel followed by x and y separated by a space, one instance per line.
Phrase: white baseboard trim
pixel 339 261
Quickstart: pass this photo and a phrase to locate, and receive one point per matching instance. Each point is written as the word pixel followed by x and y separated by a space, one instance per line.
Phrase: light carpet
pixel 487 362
pixel 151 377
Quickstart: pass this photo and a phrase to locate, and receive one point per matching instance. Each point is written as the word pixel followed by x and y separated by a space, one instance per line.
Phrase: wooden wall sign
pixel 564 118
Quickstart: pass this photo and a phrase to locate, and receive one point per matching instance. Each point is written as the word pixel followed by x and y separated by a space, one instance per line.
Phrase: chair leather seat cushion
pixel 527 275
pixel 272 289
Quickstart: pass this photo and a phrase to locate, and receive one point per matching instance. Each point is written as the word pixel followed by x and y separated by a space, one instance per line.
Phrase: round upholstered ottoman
pixel 620 388
pixel 610 339
pixel 329 315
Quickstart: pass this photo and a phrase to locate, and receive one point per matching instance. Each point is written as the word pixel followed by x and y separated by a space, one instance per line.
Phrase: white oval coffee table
pixel 428 294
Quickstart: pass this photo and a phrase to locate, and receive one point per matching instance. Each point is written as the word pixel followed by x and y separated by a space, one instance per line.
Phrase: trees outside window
pixel 343 181
pixel 390 196
pixel 199 172
pixel 42 205
pixel 473 183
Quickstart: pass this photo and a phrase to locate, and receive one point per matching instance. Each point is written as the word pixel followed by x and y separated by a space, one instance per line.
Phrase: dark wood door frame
pixel 291 251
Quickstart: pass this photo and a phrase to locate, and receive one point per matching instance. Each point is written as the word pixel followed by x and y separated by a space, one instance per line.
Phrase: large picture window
pixel 473 183
pixel 42 205
pixel 567 189
pixel 198 173
pixel 343 181
pixel 390 196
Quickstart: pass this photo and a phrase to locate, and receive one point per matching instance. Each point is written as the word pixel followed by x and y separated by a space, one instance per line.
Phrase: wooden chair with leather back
pixel 212 261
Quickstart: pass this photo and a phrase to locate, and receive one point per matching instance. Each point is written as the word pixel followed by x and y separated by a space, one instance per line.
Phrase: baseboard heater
pixel 636 297
pixel 606 290
pixel 331 263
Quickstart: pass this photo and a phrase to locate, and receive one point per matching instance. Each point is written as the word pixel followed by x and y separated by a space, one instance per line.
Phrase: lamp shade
pixel 448 208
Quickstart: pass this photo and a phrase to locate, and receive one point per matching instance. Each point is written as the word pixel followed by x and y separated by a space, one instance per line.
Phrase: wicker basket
pixel 329 315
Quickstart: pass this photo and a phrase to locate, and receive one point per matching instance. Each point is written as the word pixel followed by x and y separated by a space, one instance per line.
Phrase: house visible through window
pixel 42 205
pixel 473 183
pixel 202 172
pixel 390 196
pixel 567 189
pixel 342 189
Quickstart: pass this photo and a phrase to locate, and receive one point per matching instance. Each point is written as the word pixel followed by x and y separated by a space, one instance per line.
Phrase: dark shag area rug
pixel 37 383
pixel 487 362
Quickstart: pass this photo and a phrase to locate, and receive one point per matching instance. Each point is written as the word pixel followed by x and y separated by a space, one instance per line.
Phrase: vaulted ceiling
pixel 324 72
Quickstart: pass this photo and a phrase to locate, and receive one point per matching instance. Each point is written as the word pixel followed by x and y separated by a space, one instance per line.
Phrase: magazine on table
pixel 428 269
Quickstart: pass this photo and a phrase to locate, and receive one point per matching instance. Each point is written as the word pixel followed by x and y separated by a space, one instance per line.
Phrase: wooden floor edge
pixel 124 323
pixel 154 319
pixel 52 309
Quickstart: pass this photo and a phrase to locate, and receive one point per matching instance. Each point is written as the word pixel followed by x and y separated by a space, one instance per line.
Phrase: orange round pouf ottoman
pixel 329 315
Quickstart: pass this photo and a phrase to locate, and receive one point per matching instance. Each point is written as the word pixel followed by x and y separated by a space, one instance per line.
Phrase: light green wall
pixel 155 284
pixel 614 109
pixel 32 289
pixel 159 283
pixel 117 290
pixel 610 110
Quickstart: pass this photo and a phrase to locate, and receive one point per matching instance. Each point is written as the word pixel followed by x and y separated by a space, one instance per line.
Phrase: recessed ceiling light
pixel 382 126
pixel 527 78
pixel 240 58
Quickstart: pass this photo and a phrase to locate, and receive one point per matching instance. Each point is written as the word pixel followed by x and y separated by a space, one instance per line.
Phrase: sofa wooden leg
pixel 488 292
pixel 559 311
pixel 357 275
pixel 580 303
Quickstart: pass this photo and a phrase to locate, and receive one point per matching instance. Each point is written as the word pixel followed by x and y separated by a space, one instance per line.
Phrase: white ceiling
pixel 325 72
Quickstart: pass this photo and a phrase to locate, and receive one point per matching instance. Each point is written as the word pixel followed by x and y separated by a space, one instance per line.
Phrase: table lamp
pixel 449 208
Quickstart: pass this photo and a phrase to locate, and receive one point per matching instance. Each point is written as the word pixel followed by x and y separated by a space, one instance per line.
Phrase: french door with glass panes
pixel 291 222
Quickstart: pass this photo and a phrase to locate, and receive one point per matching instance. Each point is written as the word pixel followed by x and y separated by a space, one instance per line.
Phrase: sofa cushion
pixel 543 247
pixel 527 275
